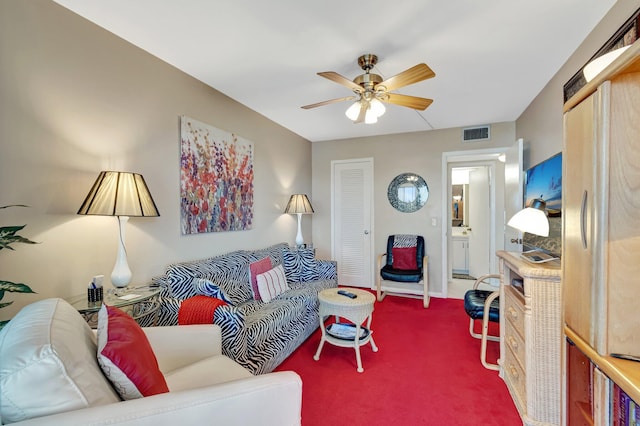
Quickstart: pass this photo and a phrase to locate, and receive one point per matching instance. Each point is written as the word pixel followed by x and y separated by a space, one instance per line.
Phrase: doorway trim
pixel 480 157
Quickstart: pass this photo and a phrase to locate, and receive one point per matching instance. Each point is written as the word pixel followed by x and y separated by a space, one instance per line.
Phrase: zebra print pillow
pixel 300 265
pixel 204 287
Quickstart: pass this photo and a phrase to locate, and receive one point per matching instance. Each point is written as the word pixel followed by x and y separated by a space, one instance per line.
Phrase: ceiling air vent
pixel 473 134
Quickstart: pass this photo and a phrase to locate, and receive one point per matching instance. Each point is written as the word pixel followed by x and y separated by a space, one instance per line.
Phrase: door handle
pixel 583 220
pixel 366 232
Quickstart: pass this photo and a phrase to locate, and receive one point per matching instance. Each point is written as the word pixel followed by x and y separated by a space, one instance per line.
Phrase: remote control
pixel 347 294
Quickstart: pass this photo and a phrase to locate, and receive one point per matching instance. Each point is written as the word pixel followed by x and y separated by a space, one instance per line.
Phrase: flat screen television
pixel 544 180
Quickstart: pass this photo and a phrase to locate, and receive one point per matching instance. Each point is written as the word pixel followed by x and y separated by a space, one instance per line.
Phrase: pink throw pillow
pixel 126 357
pixel 256 268
pixel 404 258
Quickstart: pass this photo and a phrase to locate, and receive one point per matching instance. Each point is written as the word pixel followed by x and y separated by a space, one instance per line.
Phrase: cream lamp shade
pixel 299 204
pixel 121 194
pixel 595 67
pixel 532 219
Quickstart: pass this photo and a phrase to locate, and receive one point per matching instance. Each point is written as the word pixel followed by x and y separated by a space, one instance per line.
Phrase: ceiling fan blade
pixel 337 78
pixel 412 75
pixel 407 101
pixel 331 101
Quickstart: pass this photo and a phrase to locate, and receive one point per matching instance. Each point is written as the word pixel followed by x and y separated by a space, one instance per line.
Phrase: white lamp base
pixel 121 275
pixel 299 239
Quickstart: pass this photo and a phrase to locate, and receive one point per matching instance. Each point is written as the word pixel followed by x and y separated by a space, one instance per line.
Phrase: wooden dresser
pixel 531 326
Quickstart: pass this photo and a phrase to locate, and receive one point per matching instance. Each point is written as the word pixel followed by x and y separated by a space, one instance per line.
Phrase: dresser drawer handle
pixel 513 342
pixel 513 313
pixel 514 372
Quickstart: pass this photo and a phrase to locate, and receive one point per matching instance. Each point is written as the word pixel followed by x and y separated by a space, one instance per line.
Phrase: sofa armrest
pixel 328 269
pixel 273 399
pixel 177 346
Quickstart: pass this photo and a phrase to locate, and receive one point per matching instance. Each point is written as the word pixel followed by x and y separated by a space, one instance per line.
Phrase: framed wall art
pixel 216 179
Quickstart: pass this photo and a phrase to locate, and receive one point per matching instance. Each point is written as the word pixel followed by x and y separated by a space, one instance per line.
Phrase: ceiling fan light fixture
pixel 353 111
pixel 377 107
pixel 370 117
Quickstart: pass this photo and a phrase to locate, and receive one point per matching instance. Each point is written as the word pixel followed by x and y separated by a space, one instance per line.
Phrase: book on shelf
pixel 624 410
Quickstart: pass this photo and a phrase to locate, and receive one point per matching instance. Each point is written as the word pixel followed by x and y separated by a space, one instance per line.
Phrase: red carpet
pixel 427 371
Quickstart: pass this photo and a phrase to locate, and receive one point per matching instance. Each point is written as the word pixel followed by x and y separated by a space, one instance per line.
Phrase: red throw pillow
pixel 198 310
pixel 126 357
pixel 256 268
pixel 404 258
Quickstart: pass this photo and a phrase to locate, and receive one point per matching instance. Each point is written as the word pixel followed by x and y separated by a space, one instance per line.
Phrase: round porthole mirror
pixel 408 192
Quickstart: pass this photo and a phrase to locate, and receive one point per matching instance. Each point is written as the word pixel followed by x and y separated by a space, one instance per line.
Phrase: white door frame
pixel 371 213
pixel 455 159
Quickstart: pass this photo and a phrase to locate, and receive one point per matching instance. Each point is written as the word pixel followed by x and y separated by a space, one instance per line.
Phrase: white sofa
pixel 49 375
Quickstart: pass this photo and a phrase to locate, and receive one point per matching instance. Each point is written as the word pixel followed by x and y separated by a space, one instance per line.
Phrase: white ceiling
pixel 491 58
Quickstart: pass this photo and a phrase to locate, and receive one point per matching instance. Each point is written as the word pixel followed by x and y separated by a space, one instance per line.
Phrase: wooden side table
pixel 139 302
pixel 355 310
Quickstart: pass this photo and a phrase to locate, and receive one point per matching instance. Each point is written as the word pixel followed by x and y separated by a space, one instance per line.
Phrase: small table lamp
pixel 532 219
pixel 120 194
pixel 299 204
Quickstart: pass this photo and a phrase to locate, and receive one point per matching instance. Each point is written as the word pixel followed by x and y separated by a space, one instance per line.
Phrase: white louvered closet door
pixel 352 209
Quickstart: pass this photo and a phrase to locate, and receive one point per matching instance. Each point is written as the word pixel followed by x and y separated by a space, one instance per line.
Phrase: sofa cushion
pixel 228 268
pixel 272 320
pixel 274 252
pixel 272 283
pixel 126 357
pixel 300 265
pixel 49 365
pixel 256 268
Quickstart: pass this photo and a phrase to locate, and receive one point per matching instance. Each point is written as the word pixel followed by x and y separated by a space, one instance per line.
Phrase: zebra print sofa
pixel 257 335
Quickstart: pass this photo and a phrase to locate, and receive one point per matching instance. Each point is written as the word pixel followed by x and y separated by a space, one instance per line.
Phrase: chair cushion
pixel 219 369
pixel 401 275
pixel 403 241
pixel 48 363
pixel 474 305
pixel 126 357
pixel 404 258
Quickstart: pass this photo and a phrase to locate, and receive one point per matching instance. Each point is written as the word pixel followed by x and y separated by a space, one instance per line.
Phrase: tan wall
pixel 540 125
pixel 419 152
pixel 75 100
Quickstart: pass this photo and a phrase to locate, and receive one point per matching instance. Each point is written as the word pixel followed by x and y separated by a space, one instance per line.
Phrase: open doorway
pixel 473 209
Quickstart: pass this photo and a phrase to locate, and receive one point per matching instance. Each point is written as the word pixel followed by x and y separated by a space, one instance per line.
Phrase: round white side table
pixel 354 310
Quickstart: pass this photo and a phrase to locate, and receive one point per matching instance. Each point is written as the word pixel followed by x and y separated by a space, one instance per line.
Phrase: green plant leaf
pixel 8 236
pixel 15 287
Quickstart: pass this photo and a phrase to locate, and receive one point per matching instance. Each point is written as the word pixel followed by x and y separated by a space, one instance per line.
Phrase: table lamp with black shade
pixel 124 195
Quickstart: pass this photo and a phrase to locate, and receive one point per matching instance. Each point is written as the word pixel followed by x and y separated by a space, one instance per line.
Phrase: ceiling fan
pixel 370 90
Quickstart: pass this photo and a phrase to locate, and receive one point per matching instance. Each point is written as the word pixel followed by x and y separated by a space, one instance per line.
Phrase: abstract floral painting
pixel 216 179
